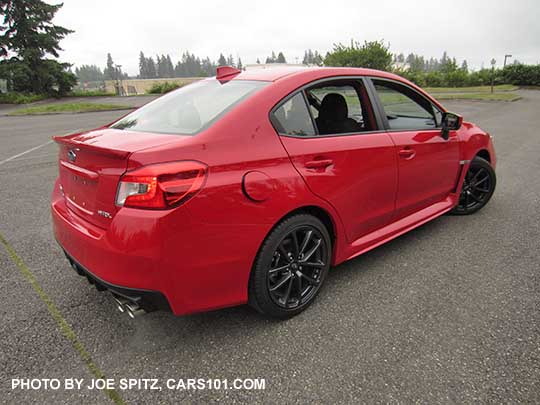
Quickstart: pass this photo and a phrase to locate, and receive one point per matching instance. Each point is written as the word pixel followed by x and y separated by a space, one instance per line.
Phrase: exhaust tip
pixel 120 303
pixel 133 310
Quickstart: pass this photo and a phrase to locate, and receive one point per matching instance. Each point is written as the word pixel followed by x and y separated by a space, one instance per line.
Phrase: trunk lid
pixel 91 164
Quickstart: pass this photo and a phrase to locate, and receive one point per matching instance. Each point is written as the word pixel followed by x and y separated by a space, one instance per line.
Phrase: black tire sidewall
pixel 479 162
pixel 259 296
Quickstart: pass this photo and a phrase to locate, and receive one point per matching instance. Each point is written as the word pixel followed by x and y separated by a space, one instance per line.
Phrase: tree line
pixel 29 38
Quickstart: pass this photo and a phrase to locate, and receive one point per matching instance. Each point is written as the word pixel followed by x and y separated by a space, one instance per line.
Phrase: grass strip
pixel 66 108
pixel 62 324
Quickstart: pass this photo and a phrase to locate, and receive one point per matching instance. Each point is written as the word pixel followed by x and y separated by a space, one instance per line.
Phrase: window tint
pixel 190 109
pixel 336 109
pixel 404 108
pixel 293 117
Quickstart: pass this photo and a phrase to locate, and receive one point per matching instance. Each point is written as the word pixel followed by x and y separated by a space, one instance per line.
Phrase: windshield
pixel 190 109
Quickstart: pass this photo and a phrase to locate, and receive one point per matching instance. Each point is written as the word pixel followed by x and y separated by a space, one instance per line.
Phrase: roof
pixel 271 73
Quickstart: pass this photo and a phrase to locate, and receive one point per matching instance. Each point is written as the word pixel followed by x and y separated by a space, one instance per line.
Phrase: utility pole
pixel 505 57
pixel 119 89
pixel 493 61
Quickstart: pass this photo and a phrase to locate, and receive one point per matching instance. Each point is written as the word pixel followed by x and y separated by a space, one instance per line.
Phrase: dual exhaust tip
pixel 126 306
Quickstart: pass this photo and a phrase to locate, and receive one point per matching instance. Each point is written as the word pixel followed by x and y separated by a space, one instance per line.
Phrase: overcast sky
pixel 475 30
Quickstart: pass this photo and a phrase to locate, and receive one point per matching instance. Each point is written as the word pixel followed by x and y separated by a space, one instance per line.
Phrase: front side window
pixel 292 117
pixel 190 109
pixel 405 109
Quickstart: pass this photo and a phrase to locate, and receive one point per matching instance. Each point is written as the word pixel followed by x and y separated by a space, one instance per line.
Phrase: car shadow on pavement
pixel 237 322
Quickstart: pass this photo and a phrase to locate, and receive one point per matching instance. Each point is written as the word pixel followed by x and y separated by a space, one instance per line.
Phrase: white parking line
pixel 25 152
pixel 9 159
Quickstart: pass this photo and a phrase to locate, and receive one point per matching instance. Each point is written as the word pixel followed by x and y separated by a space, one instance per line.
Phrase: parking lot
pixel 447 313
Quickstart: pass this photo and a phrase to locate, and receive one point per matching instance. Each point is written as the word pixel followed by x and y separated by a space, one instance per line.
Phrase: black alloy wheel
pixel 291 267
pixel 478 187
pixel 295 273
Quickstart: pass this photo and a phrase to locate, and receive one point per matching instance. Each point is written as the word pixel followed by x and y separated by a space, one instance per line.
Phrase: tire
pixel 478 187
pixel 288 275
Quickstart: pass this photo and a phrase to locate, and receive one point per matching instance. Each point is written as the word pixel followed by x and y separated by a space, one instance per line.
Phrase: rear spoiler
pixel 70 143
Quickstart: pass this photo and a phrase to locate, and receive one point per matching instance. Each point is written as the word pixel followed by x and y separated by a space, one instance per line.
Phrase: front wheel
pixel 291 267
pixel 478 187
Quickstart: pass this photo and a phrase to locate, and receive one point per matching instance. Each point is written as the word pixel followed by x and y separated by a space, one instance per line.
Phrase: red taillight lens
pixel 161 186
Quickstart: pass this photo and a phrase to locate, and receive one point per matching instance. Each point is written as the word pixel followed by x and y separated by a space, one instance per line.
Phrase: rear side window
pixel 292 117
pixel 190 109
pixel 405 109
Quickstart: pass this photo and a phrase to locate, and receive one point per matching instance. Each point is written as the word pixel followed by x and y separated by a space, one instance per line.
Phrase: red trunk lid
pixel 91 164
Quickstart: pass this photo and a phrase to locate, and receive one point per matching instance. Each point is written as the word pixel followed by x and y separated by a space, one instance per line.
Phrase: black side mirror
pixel 450 122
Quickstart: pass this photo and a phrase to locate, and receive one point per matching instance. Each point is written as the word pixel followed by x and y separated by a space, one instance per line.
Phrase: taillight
pixel 161 186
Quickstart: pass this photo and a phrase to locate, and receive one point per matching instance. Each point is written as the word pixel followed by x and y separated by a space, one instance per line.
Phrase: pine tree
pixel 169 66
pixel 151 68
pixel 222 61
pixel 27 36
pixel 109 73
pixel 258 61
pixel 239 64
pixel 464 66
pixel 143 68
pixel 89 73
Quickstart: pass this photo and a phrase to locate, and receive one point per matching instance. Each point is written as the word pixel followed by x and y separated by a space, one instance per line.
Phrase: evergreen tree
pixel 230 61
pixel 239 64
pixel 143 67
pixel 281 58
pixel 317 59
pixel 151 68
pixel 464 66
pixel 109 72
pixel 27 36
pixel 271 59
pixel 169 66
pixel 89 73
pixel 222 61
pixel 258 61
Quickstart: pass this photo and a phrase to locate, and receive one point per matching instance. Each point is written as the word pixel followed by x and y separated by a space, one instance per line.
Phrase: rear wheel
pixel 291 267
pixel 478 187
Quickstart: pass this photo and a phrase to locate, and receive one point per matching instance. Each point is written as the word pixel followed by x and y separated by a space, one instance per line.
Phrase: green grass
pixel 20 98
pixel 68 108
pixel 505 96
pixel 90 93
pixel 476 89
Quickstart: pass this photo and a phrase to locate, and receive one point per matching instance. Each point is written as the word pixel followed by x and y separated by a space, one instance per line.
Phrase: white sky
pixel 475 30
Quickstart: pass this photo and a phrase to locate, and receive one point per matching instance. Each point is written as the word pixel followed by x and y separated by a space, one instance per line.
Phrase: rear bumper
pixel 145 299
pixel 164 253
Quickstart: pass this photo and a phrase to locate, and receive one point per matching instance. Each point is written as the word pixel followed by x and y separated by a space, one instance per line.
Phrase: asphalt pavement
pixel 446 313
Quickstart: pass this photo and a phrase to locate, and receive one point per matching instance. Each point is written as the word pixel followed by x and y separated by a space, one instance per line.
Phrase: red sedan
pixel 247 187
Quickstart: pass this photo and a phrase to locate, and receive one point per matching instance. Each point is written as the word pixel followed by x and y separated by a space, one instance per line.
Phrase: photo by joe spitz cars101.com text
pixel 247 187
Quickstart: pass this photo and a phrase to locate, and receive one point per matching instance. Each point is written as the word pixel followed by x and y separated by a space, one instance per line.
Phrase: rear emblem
pixel 104 214
pixel 71 155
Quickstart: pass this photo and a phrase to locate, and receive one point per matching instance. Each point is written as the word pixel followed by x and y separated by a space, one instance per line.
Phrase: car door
pixel 351 164
pixel 428 164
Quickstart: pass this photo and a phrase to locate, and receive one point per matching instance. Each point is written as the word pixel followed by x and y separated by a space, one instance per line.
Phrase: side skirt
pixel 395 229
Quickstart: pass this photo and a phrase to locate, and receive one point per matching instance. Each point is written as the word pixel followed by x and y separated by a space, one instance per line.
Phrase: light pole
pixel 493 61
pixel 505 57
pixel 119 89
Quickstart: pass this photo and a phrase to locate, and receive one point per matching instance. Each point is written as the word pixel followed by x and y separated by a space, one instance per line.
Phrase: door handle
pixel 319 164
pixel 407 153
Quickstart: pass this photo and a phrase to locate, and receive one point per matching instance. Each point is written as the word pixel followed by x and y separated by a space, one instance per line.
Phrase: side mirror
pixel 450 122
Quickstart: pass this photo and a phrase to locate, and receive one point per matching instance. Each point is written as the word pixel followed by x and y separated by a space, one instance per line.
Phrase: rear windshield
pixel 190 109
